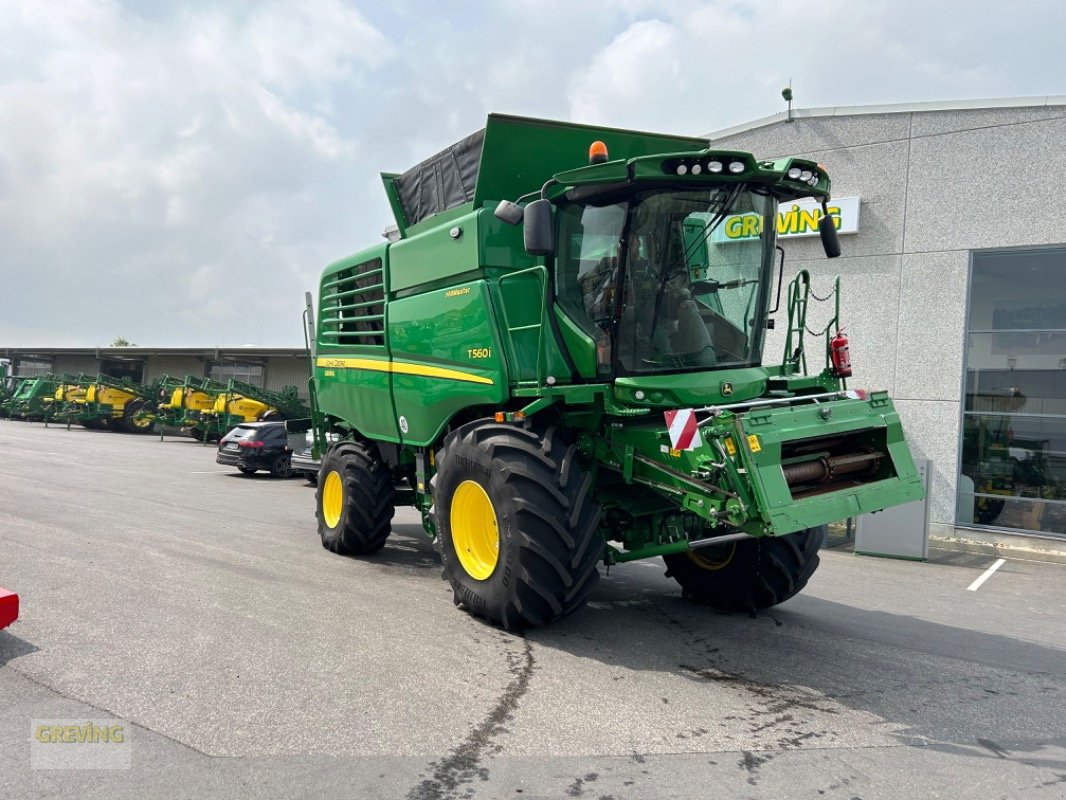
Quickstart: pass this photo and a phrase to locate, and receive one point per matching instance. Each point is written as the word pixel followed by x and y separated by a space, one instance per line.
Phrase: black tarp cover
pixel 443 181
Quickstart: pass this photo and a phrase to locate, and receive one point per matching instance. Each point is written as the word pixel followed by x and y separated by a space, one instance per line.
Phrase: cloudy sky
pixel 177 173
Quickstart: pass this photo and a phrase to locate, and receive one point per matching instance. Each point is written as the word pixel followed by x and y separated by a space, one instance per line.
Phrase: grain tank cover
pixel 510 157
pixel 441 182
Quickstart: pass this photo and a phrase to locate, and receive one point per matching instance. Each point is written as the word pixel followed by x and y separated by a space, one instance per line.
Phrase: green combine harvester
pixel 559 362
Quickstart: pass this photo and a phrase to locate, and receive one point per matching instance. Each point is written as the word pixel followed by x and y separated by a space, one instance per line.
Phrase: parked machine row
pixel 206 409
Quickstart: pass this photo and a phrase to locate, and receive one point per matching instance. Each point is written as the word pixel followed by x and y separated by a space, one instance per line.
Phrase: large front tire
pixel 750 574
pixel 355 499
pixel 516 524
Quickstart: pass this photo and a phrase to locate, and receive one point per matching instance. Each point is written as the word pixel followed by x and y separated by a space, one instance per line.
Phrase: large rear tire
pixel 516 525
pixel 355 499
pixel 750 574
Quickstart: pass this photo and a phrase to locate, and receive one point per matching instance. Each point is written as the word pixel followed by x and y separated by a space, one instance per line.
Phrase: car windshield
pixel 668 281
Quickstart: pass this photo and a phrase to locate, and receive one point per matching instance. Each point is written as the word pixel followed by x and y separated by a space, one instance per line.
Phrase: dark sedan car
pixel 253 446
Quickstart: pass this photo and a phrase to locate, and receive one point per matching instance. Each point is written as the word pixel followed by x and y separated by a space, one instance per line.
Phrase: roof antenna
pixel 787 94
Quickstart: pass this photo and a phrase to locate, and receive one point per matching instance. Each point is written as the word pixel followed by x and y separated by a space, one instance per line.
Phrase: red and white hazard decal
pixel 684 435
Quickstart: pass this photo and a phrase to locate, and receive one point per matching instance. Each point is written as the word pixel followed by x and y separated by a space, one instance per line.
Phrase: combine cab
pixel 560 363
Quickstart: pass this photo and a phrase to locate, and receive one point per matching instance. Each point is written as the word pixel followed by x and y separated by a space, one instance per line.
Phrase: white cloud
pixel 136 154
pixel 187 169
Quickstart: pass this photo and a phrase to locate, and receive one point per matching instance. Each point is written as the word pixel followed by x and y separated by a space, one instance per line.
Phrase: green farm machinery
pixel 8 385
pixel 183 404
pixel 244 402
pixel 32 398
pixel 106 403
pixel 559 363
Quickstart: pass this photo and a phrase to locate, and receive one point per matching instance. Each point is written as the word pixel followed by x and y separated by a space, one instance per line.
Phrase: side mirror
pixel 538 235
pixel 827 230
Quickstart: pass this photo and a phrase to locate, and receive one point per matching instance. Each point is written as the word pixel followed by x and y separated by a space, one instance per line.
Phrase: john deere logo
pixel 727 388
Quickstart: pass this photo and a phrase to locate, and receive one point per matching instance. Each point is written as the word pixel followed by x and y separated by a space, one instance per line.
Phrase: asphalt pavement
pixel 197 608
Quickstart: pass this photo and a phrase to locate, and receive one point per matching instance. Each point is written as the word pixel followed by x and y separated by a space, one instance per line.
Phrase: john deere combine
pixel 560 363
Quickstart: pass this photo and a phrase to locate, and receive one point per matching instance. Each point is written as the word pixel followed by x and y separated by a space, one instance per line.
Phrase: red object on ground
pixel 9 607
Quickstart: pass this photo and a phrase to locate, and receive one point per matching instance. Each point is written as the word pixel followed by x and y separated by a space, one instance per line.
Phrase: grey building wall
pixel 935 185
pixel 281 372
pixel 156 367
pixel 75 365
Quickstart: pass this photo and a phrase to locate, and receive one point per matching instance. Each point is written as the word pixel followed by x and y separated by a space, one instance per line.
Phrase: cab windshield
pixel 669 280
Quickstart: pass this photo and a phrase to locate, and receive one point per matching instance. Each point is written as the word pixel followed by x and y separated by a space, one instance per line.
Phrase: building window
pixel 1013 455
pixel 132 370
pixel 225 371
pixel 26 368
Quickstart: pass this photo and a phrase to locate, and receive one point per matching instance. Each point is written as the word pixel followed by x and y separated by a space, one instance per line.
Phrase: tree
pixel 122 342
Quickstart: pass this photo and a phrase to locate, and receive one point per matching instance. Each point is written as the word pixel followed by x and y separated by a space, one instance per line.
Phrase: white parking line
pixel 973 587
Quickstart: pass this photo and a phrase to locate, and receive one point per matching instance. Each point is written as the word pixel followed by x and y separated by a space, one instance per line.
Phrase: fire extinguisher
pixel 839 355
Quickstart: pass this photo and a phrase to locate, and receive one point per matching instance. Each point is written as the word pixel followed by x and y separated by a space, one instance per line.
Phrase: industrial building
pixel 954 291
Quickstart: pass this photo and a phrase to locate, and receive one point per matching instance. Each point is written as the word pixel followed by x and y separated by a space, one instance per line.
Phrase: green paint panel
pixel 872 425
pixel 435 254
pixel 359 396
pixel 579 344
pixel 712 387
pixel 520 154
pixel 448 329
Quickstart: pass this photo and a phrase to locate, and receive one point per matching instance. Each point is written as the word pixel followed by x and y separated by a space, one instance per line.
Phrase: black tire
pixel 281 466
pixel 545 545
pixel 357 488
pixel 750 574
pixel 197 433
pixel 130 421
pixel 246 470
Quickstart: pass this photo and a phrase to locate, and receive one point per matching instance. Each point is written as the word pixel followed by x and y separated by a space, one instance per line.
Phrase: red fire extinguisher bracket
pixel 840 355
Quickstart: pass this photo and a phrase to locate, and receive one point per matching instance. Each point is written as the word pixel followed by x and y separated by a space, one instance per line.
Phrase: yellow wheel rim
pixel 332 499
pixel 475 534
pixel 717 559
